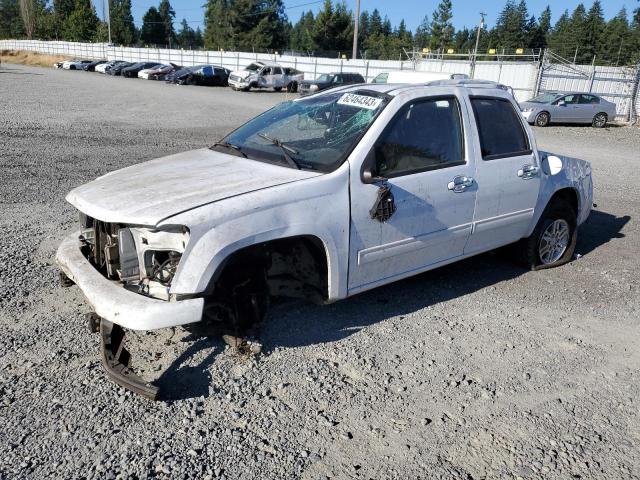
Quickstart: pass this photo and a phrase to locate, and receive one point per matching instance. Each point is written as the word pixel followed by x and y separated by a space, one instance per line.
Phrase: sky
pixel 465 12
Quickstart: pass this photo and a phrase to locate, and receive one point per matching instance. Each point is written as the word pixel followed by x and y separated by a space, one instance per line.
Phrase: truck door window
pixel 424 135
pixel 499 128
pixel 277 71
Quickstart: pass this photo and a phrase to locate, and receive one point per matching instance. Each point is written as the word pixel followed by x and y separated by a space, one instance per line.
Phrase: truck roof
pixel 397 88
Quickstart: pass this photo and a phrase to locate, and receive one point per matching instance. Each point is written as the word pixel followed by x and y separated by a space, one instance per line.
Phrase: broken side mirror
pixel 370 173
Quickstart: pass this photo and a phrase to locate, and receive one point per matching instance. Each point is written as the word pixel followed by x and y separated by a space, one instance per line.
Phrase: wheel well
pixel 568 195
pixel 294 267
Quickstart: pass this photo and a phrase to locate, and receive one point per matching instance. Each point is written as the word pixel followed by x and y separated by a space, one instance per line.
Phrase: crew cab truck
pixel 266 75
pixel 320 198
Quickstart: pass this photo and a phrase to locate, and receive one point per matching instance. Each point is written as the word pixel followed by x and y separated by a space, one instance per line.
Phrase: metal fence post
pixel 366 71
pixel 315 67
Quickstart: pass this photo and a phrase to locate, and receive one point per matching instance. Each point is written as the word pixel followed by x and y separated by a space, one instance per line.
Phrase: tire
pixel 542 119
pixel 277 89
pixel 553 241
pixel 600 120
pixel 292 87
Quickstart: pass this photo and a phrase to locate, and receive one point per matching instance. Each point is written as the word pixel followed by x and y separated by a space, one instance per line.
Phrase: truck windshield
pixel 317 133
pixel 326 78
pixel 253 67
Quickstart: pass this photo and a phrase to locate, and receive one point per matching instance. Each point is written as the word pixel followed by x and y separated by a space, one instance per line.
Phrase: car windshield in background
pixel 544 98
pixel 316 133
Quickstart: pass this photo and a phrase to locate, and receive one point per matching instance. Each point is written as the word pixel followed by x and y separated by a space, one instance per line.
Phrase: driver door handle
pixel 460 184
pixel 527 172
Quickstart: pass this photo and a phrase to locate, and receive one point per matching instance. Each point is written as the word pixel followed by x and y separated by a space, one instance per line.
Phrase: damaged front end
pixel 143 259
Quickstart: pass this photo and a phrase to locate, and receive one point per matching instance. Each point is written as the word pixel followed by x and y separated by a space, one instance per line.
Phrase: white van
pixel 410 76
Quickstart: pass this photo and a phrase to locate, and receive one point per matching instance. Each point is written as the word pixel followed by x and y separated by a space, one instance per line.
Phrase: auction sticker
pixel 362 101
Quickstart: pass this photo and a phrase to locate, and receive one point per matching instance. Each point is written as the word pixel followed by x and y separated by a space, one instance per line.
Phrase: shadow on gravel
pixel 17 72
pixel 181 381
pixel 294 323
pixel 600 228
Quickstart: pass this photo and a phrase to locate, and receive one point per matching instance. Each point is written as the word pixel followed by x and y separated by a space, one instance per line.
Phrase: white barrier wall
pixel 617 84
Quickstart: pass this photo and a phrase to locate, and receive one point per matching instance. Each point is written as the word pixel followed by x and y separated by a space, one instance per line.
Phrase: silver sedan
pixel 573 107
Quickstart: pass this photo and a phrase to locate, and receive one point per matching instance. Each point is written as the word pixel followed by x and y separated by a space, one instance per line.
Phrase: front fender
pixel 317 207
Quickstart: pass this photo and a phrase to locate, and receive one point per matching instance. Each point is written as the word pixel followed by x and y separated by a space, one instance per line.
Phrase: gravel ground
pixel 475 370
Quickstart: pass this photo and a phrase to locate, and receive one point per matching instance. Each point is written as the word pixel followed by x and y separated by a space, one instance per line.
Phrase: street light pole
pixel 354 54
pixel 108 18
pixel 475 50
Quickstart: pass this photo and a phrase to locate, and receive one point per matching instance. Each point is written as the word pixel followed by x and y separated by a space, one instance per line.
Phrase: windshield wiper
pixel 285 150
pixel 231 146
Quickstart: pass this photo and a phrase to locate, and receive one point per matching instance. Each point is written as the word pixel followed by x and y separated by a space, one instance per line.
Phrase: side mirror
pixel 369 174
pixel 562 103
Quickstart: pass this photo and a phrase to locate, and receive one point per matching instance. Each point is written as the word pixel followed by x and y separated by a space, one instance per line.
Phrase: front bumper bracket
pixel 116 360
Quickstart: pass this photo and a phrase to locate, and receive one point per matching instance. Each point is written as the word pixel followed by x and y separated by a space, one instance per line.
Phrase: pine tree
pixel 576 35
pixel 333 29
pixel 302 33
pixel 422 37
pixel 152 31
pixel 186 36
pixel 123 30
pixel 218 32
pixel 198 40
pixel 441 29
pixel 81 25
pixel 593 34
pixel 168 15
pixel 511 27
pixel 616 49
pixel 10 22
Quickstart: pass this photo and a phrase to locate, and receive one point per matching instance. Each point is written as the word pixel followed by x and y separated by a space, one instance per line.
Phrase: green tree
pixel 333 30
pixel 302 33
pixel 560 36
pixel 152 31
pixel 218 31
pixel 198 40
pixel 441 29
pixel 123 30
pixel 511 27
pixel 10 22
pixel 593 34
pixel 168 15
pixel 423 36
pixel 82 24
pixel 186 36
pixel 617 49
pixel 538 37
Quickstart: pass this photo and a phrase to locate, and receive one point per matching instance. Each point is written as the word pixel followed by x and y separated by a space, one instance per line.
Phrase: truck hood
pixel 242 73
pixel 147 193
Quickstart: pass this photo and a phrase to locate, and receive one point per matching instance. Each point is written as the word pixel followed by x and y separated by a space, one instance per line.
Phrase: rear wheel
pixel 553 241
pixel 543 118
pixel 600 120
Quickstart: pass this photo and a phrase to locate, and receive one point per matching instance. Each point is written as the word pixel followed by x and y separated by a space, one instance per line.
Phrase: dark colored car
pixel 132 70
pixel 91 67
pixel 328 80
pixel 117 68
pixel 211 75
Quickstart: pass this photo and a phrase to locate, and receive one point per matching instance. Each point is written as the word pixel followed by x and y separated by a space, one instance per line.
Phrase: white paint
pixel 228 203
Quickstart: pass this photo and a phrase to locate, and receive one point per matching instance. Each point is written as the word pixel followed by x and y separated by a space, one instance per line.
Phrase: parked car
pixel 411 76
pixel 266 75
pixel 318 198
pixel 208 75
pixel 91 67
pixel 75 64
pixel 57 64
pixel 132 70
pixel 159 72
pixel 102 68
pixel 573 107
pixel 329 80
pixel 117 68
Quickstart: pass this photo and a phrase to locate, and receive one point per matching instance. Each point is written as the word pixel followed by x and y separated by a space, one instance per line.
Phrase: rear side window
pixel 589 99
pixel 500 129
pixel 425 134
pixel 357 78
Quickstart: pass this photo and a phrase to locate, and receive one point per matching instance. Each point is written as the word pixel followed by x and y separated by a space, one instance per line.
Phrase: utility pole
pixel 475 50
pixel 108 17
pixel 354 54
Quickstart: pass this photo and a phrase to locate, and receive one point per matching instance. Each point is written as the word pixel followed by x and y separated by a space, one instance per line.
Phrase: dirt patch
pixel 31 58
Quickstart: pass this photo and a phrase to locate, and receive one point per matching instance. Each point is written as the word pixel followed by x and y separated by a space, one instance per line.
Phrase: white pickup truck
pixel 266 75
pixel 320 198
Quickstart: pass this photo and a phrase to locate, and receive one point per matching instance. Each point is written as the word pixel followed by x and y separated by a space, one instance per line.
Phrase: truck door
pixel 507 174
pixel 278 77
pixel 265 78
pixel 428 166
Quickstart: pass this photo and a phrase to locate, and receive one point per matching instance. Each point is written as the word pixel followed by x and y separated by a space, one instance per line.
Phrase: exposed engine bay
pixel 143 259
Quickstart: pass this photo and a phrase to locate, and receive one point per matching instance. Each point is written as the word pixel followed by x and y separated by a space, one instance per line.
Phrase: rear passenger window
pixel 500 128
pixel 424 135
pixel 589 99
